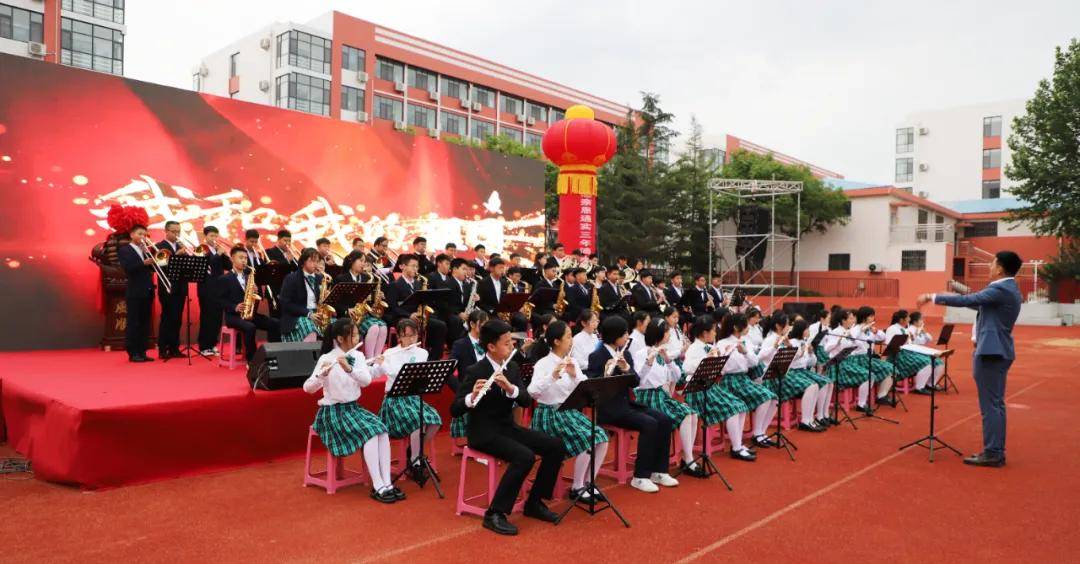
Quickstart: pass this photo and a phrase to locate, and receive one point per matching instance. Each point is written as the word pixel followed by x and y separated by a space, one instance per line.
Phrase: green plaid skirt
pixel 345 427
pixel 853 371
pixel 739 384
pixel 402 416
pixel 757 372
pixel 368 322
pixel 570 426
pixel 795 383
pixel 822 356
pixel 304 327
pixel 715 405
pixel 818 379
pixel 658 399
pixel 908 363
pixel 458 426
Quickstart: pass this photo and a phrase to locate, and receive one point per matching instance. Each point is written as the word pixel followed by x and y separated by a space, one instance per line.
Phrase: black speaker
pixel 753 220
pixel 808 310
pixel 278 366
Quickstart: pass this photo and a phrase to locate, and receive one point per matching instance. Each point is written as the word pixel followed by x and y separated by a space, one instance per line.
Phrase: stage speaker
pixel 753 220
pixel 808 310
pixel 278 366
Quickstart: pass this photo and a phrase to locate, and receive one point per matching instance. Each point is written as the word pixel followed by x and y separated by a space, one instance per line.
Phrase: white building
pixel 956 153
pixel 87 34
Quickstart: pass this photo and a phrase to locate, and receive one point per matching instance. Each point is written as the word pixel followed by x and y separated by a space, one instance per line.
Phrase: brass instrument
pixel 595 305
pixel 423 311
pixel 560 301
pixel 161 260
pixel 528 307
pixel 629 275
pixel 378 300
pixel 473 297
pixel 251 296
pixel 324 312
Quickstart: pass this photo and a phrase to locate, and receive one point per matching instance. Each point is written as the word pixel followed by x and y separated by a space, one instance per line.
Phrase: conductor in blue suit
pixel 998 305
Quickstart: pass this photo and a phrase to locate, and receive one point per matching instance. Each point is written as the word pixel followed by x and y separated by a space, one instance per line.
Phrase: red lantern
pixel 578 145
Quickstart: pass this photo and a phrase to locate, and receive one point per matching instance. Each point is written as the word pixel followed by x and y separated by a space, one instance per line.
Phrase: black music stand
pixel 421 379
pixel 890 352
pixel 526 372
pixel 834 363
pixel 509 304
pixel 591 393
pixel 777 370
pixel 543 298
pixel 943 341
pixel 345 295
pixel 708 374
pixel 871 391
pixel 931 437
pixel 334 270
pixel 424 298
pixel 271 275
pixel 184 269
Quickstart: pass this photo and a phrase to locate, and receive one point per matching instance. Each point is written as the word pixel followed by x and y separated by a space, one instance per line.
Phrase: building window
pixel 533 139
pixel 483 96
pixel 905 169
pixel 982 229
pixel 905 140
pixel 454 88
pixel 352 59
pixel 453 124
pixel 305 93
pixel 514 134
pixel 389 109
pixel 422 79
pixel 557 115
pixel 991 158
pixel 90 46
pixel 20 25
pixel 303 50
pixel 512 105
pixel 912 260
pixel 109 10
pixel 481 130
pixel 847 208
pixel 939 228
pixel 389 70
pixel 352 99
pixel 991 189
pixel 233 64
pixel 539 113
pixel 840 261
pixel 992 126
pixel 421 116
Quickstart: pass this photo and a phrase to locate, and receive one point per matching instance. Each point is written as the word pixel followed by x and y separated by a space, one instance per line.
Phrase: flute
pixel 371 361
pixel 487 383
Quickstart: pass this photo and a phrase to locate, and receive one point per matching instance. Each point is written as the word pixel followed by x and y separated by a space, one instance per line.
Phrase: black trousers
pixel 519 447
pixel 654 437
pixel 172 314
pixel 209 318
pixel 248 328
pixel 138 325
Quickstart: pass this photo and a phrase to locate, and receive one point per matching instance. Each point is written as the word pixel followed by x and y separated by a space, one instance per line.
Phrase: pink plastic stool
pixel 335 476
pixel 398 454
pixel 788 414
pixel 228 341
pixel 463 502
pixel 716 440
pixel 619 468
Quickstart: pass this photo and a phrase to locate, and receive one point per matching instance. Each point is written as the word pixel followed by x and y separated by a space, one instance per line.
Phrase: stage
pixel 92 419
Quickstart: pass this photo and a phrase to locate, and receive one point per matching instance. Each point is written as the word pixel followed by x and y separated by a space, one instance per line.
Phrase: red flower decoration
pixel 122 218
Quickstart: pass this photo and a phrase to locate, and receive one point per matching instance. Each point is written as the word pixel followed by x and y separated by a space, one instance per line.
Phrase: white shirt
pixel 674 343
pixel 585 343
pixel 549 391
pixel 695 353
pixel 480 354
pixel 894 330
pixel 815 328
pixel 863 334
pixel 494 387
pixel 769 347
pixel 835 342
pixel 338 386
pixel 655 375
pixel 803 358
pixel 737 361
pixel 497 284
pixel 396 357
pixel 138 250
pixel 243 279
pixel 312 299
pixel 919 337
pixel 637 343
pixel 754 337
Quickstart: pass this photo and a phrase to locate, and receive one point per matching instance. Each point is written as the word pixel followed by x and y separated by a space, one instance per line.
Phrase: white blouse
pixel 396 357
pixel 737 361
pixel 919 336
pixel 338 386
pixel 754 337
pixel 584 344
pixel 655 375
pixel 815 328
pixel 865 334
pixel 674 343
pixel 547 390
pixel 804 358
pixel 768 348
pixel 697 352
pixel 637 342
pixel 894 330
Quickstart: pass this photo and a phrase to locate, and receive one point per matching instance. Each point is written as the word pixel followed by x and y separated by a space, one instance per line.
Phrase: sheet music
pixel 921 350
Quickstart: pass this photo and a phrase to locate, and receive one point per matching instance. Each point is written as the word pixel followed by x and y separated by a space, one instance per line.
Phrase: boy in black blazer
pixel 139 293
pixel 231 296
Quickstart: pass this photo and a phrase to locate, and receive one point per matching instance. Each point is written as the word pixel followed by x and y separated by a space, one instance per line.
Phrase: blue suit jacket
pixel 998 305
pixel 140 276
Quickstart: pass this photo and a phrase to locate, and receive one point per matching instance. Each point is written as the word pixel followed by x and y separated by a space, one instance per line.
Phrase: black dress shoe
pixel 398 494
pixel 764 442
pixel 537 510
pixel 823 424
pixel 922 391
pixel 695 471
pixel 497 522
pixel 744 455
pixel 886 401
pixel 598 495
pixel 386 496
pixel 812 427
pixel 862 409
pixel 832 421
pixel 982 459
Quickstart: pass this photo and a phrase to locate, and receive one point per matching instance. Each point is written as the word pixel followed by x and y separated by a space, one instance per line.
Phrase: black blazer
pixel 609 297
pixel 576 301
pixel 495 412
pixel 276 254
pixel 644 300
pixel 396 293
pixel 697 301
pixel 292 300
pixel 457 299
pixel 461 351
pixel 485 292
pixel 673 297
pixel 717 296
pixel 621 403
pixel 555 285
pixel 230 292
pixel 179 290
pixel 140 276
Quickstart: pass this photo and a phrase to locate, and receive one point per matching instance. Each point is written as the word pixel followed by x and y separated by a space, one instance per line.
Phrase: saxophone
pixel 528 307
pixel 423 311
pixel 595 306
pixel 378 300
pixel 473 297
pixel 251 296
pixel 359 311
pixel 560 301
pixel 324 312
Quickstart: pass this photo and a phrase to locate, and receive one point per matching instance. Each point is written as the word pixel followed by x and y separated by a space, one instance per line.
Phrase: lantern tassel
pixel 577 179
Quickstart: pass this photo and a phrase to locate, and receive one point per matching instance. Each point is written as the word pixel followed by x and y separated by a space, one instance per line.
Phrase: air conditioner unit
pixel 433 94
pixel 465 104
pixel 399 125
pixel 532 121
pixel 924 131
pixel 923 167
pixel 35 49
pixel 361 116
pixel 521 118
pixel 877 268
pixel 361 76
pixel 476 106
pixel 265 43
pixel 399 86
pixel 433 133
pixel 264 85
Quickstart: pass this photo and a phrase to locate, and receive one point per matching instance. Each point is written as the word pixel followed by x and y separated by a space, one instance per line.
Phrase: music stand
pixel 421 379
pixel 334 270
pixel 777 370
pixel 184 269
pixel 526 370
pixel 871 391
pixel 834 363
pixel 424 298
pixel 271 275
pixel 708 374
pixel 893 349
pixel 543 298
pixel 931 437
pixel 344 295
pixel 591 393
pixel 509 304
pixel 943 341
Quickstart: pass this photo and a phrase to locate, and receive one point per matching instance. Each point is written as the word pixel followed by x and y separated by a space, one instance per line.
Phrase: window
pixel 422 79
pixel 840 261
pixel 982 229
pixel 352 59
pixel 484 96
pixel 389 70
pixel 510 132
pixel 991 189
pixel 90 46
pixel 481 130
pixel 905 169
pixel 453 123
pixel 939 228
pixel 299 49
pixel 539 113
pixel 557 115
pixel 991 158
pixel 233 63
pixel 309 94
pixel 992 126
pixel 512 105
pixel 421 116
pixel 847 208
pixel 905 140
pixel 454 88
pixel 352 99
pixel 20 25
pixel 389 109
pixel 533 139
pixel 920 229
pixel 912 260
pixel 109 10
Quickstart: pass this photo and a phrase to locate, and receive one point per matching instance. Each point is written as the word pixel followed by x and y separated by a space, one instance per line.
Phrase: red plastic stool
pixel 788 413
pixel 336 476
pixel 464 504
pixel 619 468
pixel 398 454
pixel 228 342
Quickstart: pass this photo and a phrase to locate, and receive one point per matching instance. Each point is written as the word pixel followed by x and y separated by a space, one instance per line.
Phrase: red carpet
pixel 92 419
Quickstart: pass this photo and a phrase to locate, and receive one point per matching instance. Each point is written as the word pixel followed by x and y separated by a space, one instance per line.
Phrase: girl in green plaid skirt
pixel 858 326
pixel 357 268
pixel 796 382
pixel 716 403
pixel 342 425
pixel 737 380
pixel 555 376
pixel 908 361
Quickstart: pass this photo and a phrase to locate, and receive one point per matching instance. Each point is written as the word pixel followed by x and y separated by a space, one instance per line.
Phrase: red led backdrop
pixel 73 142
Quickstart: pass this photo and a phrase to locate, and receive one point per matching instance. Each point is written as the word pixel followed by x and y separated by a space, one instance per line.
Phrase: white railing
pixel 921 233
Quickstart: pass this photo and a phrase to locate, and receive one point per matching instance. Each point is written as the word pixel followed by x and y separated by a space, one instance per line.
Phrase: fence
pixel 829 286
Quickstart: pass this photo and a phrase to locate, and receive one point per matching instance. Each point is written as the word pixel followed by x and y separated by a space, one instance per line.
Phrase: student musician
pixel 358 245
pixel 803 364
pixel 642 292
pixel 700 301
pixel 657 371
pixel 481 260
pixel 343 426
pixel 452 309
pixel 282 251
pixel 255 252
pixel 379 255
pixel 139 294
pixel 548 279
pixel 299 297
pixel 586 340
pixel 209 311
pixel 173 300
pixel 513 274
pixel 440 275
pixel 610 295
pixel 467 352
pixel 653 427
pixel 231 298
pixel 419 250
pixel 555 376
pixel 451 250
pixel 795 383
pixel 737 378
pixel 716 291
pixel 716 403
pixel 853 370
pixel 373 330
pixel 819 323
pixel 399 291
pixel 403 415
pixel 491 429
pixel 918 364
pixel 572 308
pixel 677 342
pixel 579 294
pixel 674 295
pixel 641 320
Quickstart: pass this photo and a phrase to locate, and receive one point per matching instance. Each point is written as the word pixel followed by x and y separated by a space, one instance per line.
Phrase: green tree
pixel 685 188
pixel 654 129
pixel 1045 146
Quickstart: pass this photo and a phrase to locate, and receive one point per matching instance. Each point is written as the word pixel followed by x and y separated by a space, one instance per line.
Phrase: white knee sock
pixel 864 392
pixel 884 387
pixel 823 399
pixel 371 342
pixel 581 469
pixel 687 430
pixel 371 459
pixel 734 426
pixel 601 454
pixel 809 397
pixel 414 443
pixel 763 417
pixel 922 376
pixel 384 458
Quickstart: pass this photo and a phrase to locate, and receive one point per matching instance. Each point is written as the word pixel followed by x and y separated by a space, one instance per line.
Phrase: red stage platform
pixel 92 419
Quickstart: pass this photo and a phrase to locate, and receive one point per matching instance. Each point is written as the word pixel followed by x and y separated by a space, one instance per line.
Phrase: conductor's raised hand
pixel 922 300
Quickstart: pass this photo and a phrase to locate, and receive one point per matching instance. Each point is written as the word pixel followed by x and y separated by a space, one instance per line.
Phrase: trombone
pixel 161 260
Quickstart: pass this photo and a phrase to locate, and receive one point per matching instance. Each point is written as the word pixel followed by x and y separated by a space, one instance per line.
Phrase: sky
pixel 823 81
